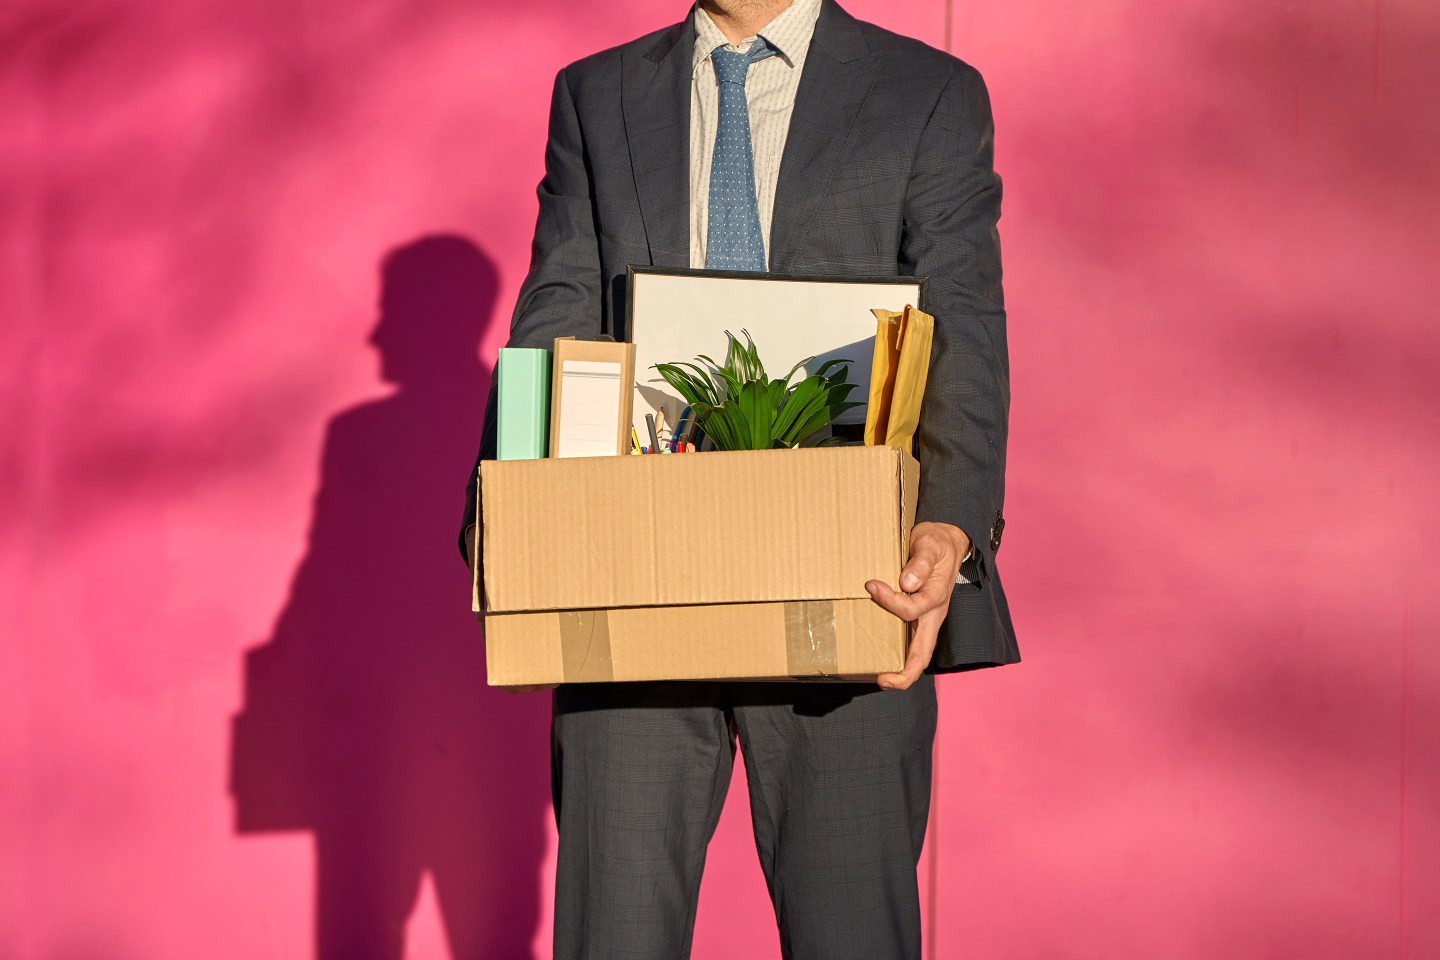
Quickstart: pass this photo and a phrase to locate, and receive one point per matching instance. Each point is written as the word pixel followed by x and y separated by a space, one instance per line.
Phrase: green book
pixel 523 391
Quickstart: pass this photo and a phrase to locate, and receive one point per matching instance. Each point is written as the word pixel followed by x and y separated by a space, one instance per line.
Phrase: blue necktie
pixel 732 237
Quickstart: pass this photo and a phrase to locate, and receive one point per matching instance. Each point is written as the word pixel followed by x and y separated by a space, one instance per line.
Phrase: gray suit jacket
pixel 887 170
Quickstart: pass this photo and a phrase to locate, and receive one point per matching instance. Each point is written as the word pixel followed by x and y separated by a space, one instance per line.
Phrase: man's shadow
pixel 367 719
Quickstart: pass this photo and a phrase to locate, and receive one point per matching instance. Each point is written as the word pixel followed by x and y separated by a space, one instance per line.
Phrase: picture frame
pixel 674 314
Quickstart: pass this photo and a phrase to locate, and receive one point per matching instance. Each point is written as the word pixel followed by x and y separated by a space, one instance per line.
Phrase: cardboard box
pixel 745 565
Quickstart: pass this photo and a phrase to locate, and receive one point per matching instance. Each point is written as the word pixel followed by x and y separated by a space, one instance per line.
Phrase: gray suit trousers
pixel 839 793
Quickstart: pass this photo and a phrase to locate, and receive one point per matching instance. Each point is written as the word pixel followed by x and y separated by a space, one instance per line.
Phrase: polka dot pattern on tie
pixel 733 240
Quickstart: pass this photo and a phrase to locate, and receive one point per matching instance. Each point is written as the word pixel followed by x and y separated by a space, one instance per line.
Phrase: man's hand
pixel 936 551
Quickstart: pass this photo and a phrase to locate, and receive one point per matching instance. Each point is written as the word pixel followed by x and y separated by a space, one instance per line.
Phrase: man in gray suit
pixel 789 137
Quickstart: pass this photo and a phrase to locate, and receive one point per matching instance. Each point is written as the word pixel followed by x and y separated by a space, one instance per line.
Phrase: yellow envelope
pixel 882 375
pixel 898 373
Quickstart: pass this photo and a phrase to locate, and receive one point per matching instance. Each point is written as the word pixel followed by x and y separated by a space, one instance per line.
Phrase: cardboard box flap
pixel 683 529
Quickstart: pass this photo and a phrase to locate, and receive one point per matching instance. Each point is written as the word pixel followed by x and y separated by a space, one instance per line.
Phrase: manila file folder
pixel 898 374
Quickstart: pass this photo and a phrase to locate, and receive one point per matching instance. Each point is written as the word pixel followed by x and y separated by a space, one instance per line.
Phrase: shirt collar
pixel 789 33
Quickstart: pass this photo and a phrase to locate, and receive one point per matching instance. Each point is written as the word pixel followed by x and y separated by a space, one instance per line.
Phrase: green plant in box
pixel 740 408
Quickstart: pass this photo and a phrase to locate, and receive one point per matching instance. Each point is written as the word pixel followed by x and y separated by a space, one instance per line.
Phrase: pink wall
pixel 1221 222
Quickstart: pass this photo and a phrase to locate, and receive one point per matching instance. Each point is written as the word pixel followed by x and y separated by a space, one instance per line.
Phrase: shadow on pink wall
pixel 366 719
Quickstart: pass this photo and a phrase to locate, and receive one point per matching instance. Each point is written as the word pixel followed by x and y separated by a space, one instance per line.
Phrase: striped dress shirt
pixel 770 95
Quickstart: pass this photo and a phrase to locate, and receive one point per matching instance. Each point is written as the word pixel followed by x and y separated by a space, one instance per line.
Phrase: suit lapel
pixel 656 105
pixel 839 70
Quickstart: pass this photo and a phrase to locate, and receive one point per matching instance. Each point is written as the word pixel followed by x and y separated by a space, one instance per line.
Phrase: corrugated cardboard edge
pixel 909 496
pixel 480 597
pixel 909 469
pixel 476 561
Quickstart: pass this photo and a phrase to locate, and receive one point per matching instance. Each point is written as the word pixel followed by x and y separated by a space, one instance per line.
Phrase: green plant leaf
pixel 797 366
pixel 746 404
pixel 719 428
pixel 820 419
pixel 837 392
pixel 733 384
pixel 804 399
pixel 711 389
pixel 764 415
pixel 706 379
pixel 740 407
pixel 775 394
pixel 824 369
pixel 684 384
pixel 749 366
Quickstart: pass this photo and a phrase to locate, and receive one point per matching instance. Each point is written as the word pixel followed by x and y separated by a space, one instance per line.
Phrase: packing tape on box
pixel 585 646
pixel 810 638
